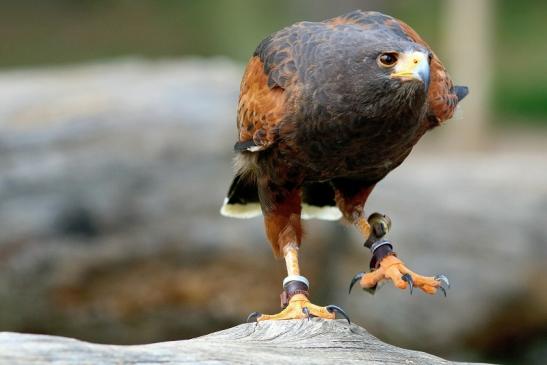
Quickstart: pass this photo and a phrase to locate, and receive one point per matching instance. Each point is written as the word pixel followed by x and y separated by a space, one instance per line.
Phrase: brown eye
pixel 387 59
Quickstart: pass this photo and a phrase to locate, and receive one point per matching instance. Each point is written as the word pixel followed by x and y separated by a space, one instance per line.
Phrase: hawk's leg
pixel 351 196
pixel 285 233
pixel 385 265
pixel 294 298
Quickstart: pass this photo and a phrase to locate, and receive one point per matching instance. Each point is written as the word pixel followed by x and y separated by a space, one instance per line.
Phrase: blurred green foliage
pixel 520 67
pixel 63 31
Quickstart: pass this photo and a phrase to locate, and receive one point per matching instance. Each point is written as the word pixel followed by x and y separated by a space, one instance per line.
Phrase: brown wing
pixel 442 97
pixel 267 90
pixel 260 108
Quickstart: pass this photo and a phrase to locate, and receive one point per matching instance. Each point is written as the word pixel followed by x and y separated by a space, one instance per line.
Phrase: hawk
pixel 326 110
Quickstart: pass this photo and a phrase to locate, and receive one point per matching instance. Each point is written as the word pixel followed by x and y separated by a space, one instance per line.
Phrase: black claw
pixel 443 280
pixel 334 308
pixel 408 279
pixel 443 290
pixel 355 279
pixel 253 317
pixel 306 312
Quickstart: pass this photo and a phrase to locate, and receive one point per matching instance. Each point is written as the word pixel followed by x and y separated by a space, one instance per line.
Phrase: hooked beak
pixel 412 65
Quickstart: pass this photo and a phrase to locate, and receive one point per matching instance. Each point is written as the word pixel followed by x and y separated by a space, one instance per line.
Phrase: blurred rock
pixel 111 179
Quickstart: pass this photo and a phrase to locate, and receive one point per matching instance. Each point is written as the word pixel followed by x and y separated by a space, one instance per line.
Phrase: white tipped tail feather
pixel 251 210
pixel 326 213
pixel 243 211
pixel 243 200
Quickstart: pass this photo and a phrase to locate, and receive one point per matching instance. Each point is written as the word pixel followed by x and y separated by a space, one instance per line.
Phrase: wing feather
pixel 261 107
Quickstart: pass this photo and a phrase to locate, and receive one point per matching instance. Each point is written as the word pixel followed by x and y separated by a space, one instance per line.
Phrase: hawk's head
pixel 406 66
pixel 396 79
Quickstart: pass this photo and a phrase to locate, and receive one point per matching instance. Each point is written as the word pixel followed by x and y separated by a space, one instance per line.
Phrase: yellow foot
pixel 391 268
pixel 300 307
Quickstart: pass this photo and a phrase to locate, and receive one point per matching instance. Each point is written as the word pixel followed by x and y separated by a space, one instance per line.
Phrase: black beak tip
pixel 425 79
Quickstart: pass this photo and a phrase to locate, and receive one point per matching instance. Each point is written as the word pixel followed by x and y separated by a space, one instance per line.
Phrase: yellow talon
pixel 295 310
pixel 392 268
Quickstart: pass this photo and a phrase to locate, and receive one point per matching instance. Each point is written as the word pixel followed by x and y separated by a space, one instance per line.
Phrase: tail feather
pixel 318 202
pixel 243 201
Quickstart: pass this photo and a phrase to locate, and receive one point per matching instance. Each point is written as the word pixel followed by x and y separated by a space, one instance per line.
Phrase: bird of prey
pixel 326 110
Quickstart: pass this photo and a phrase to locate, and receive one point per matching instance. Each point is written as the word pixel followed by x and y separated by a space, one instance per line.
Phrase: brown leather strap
pixel 291 289
pixel 379 254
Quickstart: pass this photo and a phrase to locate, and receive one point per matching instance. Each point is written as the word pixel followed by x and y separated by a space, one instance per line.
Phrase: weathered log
pixel 275 342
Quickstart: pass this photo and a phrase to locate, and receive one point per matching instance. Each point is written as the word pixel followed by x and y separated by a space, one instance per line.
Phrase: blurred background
pixel 117 121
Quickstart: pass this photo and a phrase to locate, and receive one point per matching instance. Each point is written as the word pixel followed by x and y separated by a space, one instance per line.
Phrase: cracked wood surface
pixel 275 342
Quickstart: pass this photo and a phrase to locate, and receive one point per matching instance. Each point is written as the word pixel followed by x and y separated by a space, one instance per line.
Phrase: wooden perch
pixel 275 342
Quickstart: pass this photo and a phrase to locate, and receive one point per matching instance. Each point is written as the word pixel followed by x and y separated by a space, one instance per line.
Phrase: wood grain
pixel 292 342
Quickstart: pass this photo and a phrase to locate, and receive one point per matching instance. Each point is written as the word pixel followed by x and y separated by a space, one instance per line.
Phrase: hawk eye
pixel 387 59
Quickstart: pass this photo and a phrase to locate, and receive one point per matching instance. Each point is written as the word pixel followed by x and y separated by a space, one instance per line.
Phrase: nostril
pixel 415 61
